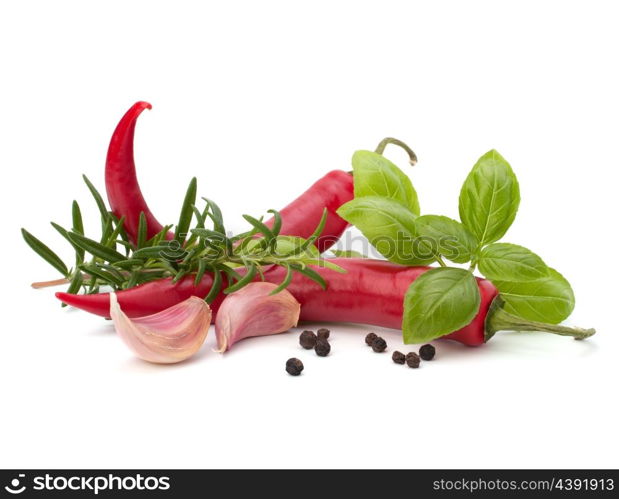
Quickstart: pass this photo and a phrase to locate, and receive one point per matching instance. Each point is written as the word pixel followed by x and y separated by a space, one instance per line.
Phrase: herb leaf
pixel 312 274
pixel 549 299
pixel 489 198
pixel 246 279
pixel 96 249
pixel 287 280
pixel 214 212
pixel 510 262
pixel 215 288
pixel 323 263
pixel 439 302
pixel 184 222
pixel 389 226
pixel 447 237
pixel 375 175
pixel 348 254
pixel 44 252
pixel 103 274
pixel 263 229
pixel 76 283
pixel 78 224
pixel 285 246
pixel 168 252
pixel 79 252
pixel 142 231
pixel 98 199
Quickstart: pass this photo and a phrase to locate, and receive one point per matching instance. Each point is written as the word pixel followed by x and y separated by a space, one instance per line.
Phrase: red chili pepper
pixel 299 218
pixel 121 182
pixel 371 292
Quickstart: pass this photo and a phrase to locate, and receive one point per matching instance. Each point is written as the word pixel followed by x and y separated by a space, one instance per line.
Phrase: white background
pixel 259 100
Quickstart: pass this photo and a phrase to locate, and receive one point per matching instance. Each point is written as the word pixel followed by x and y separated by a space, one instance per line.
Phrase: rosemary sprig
pixel 234 260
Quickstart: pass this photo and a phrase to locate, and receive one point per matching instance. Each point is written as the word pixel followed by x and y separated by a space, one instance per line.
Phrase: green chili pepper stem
pixel 500 320
pixel 390 140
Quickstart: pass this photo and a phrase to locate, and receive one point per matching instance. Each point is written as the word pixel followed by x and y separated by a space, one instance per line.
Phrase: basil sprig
pixel 442 300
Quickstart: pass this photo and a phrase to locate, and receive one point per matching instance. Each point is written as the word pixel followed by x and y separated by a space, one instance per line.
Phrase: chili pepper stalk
pixel 500 320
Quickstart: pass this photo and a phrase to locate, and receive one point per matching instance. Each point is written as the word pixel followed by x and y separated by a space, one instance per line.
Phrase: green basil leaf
pixel 348 254
pixel 375 175
pixel 44 252
pixel 510 262
pixel 447 237
pixel 489 198
pixel 389 226
pixel 549 299
pixel 440 301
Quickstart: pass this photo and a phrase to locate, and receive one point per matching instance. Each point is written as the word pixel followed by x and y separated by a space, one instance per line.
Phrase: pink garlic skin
pixel 167 337
pixel 252 311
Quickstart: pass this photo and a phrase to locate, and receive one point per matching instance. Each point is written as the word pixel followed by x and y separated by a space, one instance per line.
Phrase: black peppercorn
pixel 322 347
pixel 370 338
pixel 294 366
pixel 323 333
pixel 379 345
pixel 427 352
pixel 398 357
pixel 307 339
pixel 412 360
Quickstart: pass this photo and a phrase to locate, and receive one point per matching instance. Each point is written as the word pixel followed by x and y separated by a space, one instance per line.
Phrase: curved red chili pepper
pixel 121 182
pixel 299 218
pixel 370 292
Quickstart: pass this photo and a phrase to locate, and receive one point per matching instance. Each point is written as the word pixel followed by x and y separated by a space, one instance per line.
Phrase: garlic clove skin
pixel 167 337
pixel 253 311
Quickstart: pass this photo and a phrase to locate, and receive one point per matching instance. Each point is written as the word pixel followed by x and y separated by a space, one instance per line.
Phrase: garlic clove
pixel 253 311
pixel 167 337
